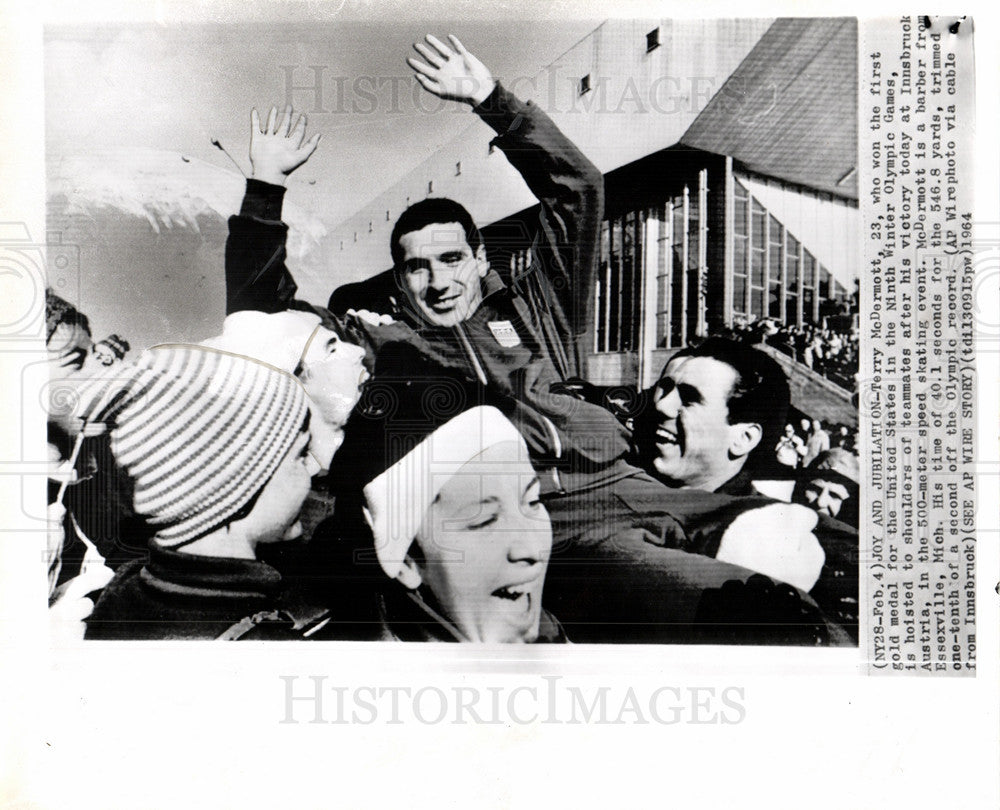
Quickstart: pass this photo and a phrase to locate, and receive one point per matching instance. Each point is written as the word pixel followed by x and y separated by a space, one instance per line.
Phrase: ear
pixel 482 261
pixel 743 438
pixel 409 574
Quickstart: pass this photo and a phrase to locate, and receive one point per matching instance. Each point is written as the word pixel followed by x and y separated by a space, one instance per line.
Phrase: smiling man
pixel 715 414
pixel 449 333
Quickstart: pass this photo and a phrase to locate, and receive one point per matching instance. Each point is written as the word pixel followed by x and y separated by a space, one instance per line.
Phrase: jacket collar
pixel 199 576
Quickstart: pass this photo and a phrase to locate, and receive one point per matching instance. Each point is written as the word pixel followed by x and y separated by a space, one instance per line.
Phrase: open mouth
pixel 665 437
pixel 518 594
pixel 445 304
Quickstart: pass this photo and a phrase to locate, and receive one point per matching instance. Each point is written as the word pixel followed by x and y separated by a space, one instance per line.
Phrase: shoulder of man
pixel 379 294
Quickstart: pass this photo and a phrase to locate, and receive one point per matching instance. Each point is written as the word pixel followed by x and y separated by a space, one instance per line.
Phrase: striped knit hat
pixel 198 431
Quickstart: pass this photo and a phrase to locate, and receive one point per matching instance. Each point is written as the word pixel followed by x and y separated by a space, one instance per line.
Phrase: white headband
pixel 397 500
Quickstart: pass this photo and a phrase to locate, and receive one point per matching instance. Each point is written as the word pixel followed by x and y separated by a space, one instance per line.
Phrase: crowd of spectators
pixel 831 350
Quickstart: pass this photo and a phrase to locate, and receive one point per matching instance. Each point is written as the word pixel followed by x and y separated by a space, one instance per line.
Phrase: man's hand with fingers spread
pixel 451 72
pixel 278 148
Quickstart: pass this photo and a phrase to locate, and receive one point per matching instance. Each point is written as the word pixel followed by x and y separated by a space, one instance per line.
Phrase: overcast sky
pixel 176 87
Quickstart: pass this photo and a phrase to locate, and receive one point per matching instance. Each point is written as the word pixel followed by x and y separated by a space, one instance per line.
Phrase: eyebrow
pixel 493 498
pixel 531 483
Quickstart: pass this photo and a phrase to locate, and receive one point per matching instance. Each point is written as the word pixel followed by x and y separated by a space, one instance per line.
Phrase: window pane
pixel 808 270
pixel 792 272
pixel 791 302
pixel 740 256
pixel 741 211
pixel 774 300
pixel 739 294
pixel 757 267
pixel 807 305
pixel 824 283
pixel 759 219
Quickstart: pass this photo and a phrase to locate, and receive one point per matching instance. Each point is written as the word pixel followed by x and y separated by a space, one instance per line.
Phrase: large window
pixel 793 280
pixel 773 275
pixel 809 299
pixel 758 257
pixel 741 250
pixel 619 290
pixel 681 275
pixel 775 267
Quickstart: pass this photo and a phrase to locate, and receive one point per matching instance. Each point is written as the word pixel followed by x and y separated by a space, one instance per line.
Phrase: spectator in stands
pixel 111 350
pixel 831 485
pixel 818 442
pixel 843 438
pixel 790 448
pixel 212 455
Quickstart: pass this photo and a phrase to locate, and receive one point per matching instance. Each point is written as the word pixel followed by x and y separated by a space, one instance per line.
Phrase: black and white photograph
pixel 583 369
pixel 418 335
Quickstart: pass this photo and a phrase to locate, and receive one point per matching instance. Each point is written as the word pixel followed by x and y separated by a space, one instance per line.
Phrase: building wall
pixel 639 103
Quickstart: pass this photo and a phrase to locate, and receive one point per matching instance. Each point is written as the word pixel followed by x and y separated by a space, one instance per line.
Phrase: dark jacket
pixel 546 304
pixel 188 596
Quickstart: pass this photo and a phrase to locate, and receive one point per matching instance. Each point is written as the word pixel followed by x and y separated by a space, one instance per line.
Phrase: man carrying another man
pixel 444 316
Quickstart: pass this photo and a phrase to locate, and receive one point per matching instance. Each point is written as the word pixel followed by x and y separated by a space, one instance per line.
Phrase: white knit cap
pixel 398 499
pixel 277 338
pixel 199 431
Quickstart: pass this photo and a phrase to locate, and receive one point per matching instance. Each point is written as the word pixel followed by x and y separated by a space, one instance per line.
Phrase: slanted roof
pixel 790 109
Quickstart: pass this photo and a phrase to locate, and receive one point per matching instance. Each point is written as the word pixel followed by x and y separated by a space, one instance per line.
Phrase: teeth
pixel 511 593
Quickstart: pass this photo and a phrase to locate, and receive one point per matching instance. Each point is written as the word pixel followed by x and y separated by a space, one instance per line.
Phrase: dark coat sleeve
pixel 256 275
pixel 560 279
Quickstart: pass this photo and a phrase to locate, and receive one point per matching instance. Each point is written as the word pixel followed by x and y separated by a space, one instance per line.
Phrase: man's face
pixel 441 273
pixel 104 355
pixel 826 497
pixel 693 435
pixel 486 541
pixel 332 376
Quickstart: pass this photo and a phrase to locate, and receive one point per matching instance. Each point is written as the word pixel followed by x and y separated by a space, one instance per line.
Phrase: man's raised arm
pixel 256 275
pixel 569 187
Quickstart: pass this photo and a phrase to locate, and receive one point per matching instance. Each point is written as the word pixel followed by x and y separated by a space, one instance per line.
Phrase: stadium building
pixel 729 150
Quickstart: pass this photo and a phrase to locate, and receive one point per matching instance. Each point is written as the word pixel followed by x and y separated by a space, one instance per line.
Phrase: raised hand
pixel 278 148
pixel 451 73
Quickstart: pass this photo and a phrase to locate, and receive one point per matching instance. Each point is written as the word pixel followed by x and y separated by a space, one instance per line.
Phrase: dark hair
pixel 433 210
pixel 760 393
pixel 59 310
